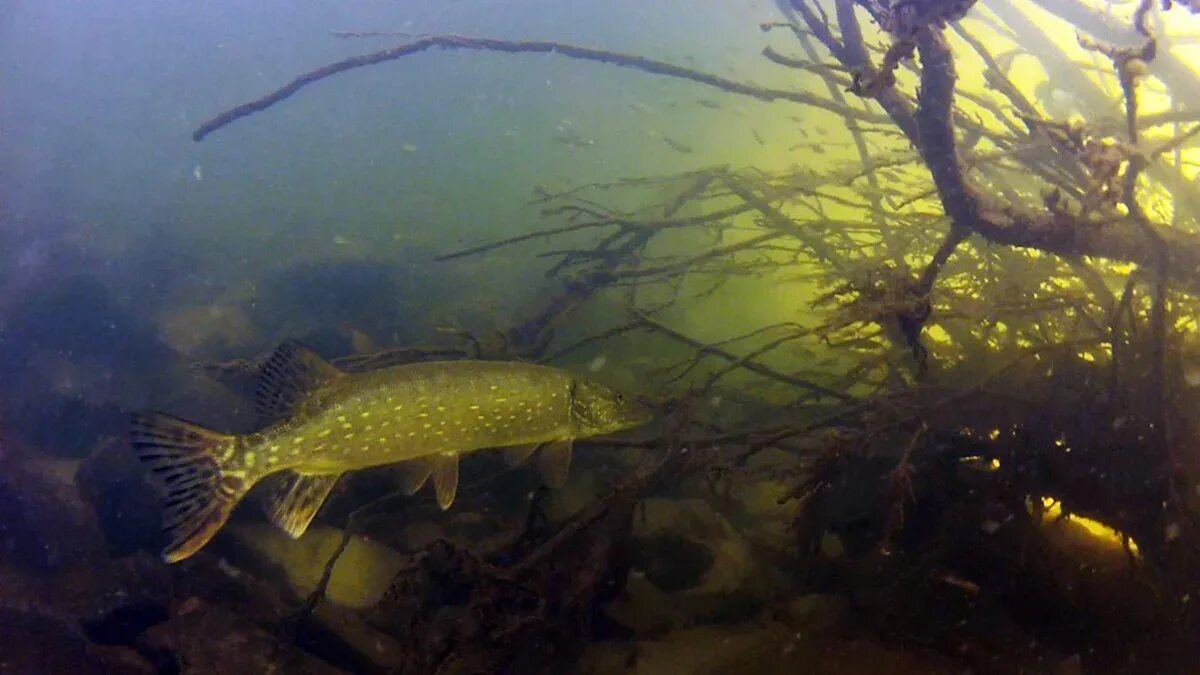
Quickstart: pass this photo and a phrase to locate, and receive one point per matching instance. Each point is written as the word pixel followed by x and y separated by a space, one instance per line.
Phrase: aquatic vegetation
pixel 929 380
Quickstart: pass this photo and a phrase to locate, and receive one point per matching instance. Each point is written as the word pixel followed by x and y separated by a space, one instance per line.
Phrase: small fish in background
pixel 568 135
pixel 641 107
pixel 574 140
pixel 328 422
pixel 757 137
pixel 408 148
pixel 709 103
pixel 198 172
pixel 677 146
pixel 816 148
pixel 597 364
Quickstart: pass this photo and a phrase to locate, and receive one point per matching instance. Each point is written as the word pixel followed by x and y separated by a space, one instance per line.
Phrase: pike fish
pixel 327 422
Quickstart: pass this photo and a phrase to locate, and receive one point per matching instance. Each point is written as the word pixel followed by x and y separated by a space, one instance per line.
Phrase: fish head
pixel 597 409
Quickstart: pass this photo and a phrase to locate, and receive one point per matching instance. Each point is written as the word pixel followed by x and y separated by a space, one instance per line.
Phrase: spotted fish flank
pixel 324 422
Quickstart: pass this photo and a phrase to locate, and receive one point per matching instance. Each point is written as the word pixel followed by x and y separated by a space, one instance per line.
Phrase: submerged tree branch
pixel 746 363
pixel 534 47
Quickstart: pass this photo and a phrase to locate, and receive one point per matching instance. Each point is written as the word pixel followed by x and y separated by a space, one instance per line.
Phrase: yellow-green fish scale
pixel 411 411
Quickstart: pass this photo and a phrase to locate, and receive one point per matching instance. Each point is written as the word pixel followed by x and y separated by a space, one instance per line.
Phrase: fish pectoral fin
pixel 445 477
pixel 297 499
pixel 554 461
pixel 517 454
pixel 413 475
pixel 291 373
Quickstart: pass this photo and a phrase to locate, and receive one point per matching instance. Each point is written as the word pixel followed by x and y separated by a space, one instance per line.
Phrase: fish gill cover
pixel 911 286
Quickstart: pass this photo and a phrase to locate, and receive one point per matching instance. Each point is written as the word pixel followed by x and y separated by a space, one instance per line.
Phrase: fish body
pixel 424 415
pixel 411 411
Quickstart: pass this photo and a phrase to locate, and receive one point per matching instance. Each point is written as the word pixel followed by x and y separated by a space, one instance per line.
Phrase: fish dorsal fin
pixel 413 475
pixel 517 454
pixel 554 461
pixel 445 477
pixel 292 372
pixel 297 499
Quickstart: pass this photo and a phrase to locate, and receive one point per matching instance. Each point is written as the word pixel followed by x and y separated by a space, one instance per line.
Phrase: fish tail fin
pixel 192 467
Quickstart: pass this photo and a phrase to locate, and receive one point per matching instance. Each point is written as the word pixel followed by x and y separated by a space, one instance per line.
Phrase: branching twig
pixel 528 47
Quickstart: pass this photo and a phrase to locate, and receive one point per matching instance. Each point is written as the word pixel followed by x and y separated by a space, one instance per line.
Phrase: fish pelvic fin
pixel 414 474
pixel 445 477
pixel 297 499
pixel 517 454
pixel 192 468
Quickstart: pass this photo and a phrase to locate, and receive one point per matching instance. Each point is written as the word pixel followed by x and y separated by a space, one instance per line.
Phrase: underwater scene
pixel 600 336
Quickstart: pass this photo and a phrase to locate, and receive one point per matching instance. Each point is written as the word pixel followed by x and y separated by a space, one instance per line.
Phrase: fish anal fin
pixel 291 373
pixel 554 462
pixel 445 477
pixel 297 500
pixel 413 474
pixel 185 463
pixel 517 454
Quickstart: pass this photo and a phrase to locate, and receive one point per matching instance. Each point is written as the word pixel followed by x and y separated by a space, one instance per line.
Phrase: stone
pixel 32 642
pixel 763 649
pixel 127 509
pixel 643 607
pixel 83 618
pixel 212 639
pixel 361 576
pixel 44 526
pixel 817 614
pixel 343 637
pixel 689 551
pixel 209 328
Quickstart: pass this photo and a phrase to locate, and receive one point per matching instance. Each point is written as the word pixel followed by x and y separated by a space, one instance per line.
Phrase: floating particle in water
pixel 408 147
pixel 198 172
pixel 598 363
